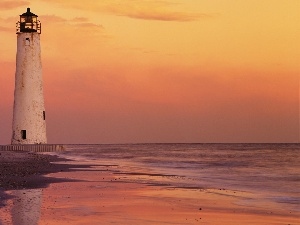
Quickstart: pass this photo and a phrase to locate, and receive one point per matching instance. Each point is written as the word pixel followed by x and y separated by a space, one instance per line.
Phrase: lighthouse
pixel 29 116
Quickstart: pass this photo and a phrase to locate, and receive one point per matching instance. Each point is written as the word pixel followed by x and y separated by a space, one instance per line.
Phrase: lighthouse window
pixel 44 115
pixel 23 134
pixel 27 41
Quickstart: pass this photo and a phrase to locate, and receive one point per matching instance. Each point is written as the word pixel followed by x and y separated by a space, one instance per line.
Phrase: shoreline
pixel 21 170
pixel 59 190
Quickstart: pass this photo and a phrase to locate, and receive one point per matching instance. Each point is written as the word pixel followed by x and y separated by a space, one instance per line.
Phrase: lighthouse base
pixel 33 148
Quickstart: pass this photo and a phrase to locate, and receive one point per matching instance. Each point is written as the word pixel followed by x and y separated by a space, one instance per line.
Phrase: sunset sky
pixel 131 71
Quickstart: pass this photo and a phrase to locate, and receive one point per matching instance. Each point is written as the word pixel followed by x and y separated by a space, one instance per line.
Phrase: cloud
pixel 52 19
pixel 73 36
pixel 142 9
pixel 89 25
pixel 80 19
pixel 152 10
pixel 8 20
pixel 7 24
pixel 5 29
pixel 77 22
pixel 6 5
pixel 166 16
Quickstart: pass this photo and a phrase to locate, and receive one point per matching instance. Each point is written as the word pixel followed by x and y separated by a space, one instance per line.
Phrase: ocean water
pixel 270 172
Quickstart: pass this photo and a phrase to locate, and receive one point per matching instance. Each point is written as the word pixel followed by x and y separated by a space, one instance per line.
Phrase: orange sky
pixel 119 71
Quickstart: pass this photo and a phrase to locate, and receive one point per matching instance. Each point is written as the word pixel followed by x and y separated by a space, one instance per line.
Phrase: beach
pixel 54 189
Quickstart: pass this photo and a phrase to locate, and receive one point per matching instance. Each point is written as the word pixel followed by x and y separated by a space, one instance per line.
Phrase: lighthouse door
pixel 23 134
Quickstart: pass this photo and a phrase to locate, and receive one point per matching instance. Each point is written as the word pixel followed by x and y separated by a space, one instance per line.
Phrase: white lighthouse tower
pixel 29 124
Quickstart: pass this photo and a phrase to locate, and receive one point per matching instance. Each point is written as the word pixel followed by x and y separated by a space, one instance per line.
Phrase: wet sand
pixel 71 193
pixel 25 170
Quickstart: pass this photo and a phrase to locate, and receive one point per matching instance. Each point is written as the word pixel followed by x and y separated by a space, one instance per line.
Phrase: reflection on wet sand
pixel 188 188
pixel 102 197
pixel 26 208
pixel 107 198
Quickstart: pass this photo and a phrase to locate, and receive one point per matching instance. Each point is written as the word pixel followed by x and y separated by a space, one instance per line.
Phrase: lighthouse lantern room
pixel 28 23
pixel 29 118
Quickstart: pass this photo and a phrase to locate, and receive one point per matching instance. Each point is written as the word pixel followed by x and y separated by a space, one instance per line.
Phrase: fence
pixel 33 148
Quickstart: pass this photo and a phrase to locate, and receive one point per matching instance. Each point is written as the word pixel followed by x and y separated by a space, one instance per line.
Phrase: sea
pixel 270 172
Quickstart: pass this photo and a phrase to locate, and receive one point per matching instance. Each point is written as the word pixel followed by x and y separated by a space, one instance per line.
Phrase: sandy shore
pixel 36 191
pixel 25 170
